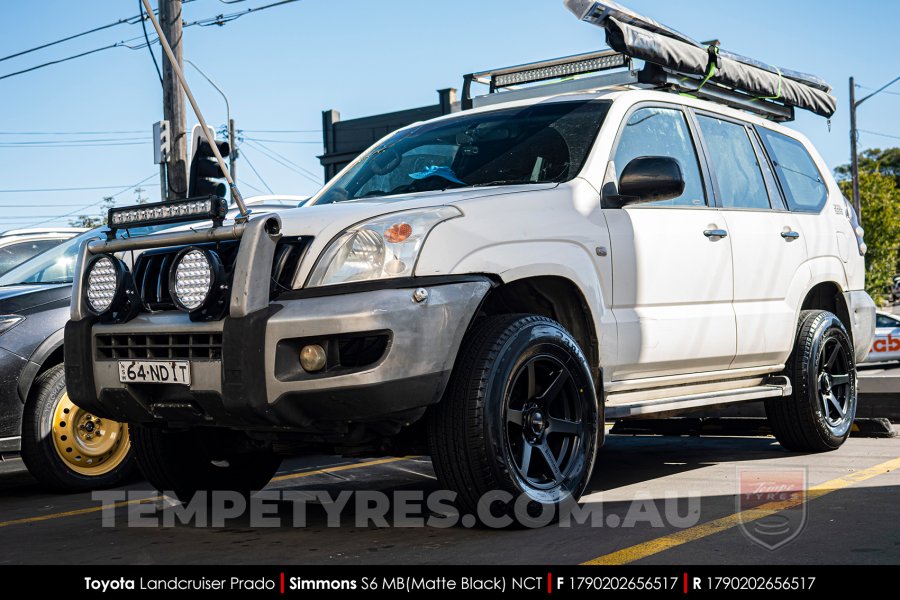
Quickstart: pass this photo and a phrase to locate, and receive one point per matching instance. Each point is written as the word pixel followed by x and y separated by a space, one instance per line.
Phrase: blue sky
pixel 282 67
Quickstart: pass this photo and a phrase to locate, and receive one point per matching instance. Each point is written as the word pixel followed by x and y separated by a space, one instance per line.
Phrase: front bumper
pixel 862 322
pixel 250 385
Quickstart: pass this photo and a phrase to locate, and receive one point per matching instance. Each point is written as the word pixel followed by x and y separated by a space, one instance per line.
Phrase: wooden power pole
pixel 173 100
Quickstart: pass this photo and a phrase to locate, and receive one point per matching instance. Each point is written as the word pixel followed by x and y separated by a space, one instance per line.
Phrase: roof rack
pixel 672 62
pixel 606 70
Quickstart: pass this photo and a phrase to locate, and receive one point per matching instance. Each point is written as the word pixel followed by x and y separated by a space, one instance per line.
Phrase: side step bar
pixel 775 387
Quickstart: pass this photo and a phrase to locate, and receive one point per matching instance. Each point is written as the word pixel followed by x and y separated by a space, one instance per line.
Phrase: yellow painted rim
pixel 87 444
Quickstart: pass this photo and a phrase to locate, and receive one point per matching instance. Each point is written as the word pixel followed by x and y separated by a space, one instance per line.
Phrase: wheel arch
pixel 48 354
pixel 555 297
pixel 828 295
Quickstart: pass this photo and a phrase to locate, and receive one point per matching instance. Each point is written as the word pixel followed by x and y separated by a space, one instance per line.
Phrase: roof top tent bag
pixel 643 38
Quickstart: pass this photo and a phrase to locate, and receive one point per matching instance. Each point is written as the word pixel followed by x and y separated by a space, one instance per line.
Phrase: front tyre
pixel 520 417
pixel 818 416
pixel 185 462
pixel 69 449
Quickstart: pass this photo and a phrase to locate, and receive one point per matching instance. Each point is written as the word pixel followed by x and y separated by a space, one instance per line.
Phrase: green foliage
pixel 91 221
pixel 886 162
pixel 880 204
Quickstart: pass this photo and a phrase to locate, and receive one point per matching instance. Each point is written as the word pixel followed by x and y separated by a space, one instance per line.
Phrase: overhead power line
pixel 252 139
pixel 65 39
pixel 220 20
pixel 147 40
pixel 225 18
pixel 293 167
pixel 283 130
pixel 65 145
pixel 865 87
pixel 884 135
pixel 95 204
pixel 70 189
pixel 286 162
pixel 128 21
pixel 75 141
pixel 121 131
pixel 61 60
pixel 255 172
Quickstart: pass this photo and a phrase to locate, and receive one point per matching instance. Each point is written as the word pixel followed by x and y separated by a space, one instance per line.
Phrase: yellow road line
pixel 95 509
pixel 75 513
pixel 327 470
pixel 666 542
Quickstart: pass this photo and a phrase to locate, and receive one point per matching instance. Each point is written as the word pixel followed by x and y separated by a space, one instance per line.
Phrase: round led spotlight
pixel 195 278
pixel 103 281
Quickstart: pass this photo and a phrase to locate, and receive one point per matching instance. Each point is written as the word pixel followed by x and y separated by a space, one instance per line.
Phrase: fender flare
pixel 515 261
pixel 36 362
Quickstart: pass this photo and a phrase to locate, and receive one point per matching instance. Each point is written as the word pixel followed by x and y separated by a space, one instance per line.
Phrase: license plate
pixel 155 371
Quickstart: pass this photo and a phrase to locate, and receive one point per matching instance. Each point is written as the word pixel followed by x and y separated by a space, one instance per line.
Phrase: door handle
pixel 790 235
pixel 715 233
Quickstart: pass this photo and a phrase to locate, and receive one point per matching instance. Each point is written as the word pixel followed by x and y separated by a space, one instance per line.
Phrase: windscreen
pixel 543 143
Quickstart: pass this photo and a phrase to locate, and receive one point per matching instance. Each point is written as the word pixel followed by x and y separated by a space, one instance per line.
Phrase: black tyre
pixel 818 416
pixel 194 460
pixel 68 449
pixel 520 416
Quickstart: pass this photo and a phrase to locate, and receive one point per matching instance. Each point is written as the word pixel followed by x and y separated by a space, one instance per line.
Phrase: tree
pixel 108 202
pixel 880 200
pixel 91 222
pixel 886 162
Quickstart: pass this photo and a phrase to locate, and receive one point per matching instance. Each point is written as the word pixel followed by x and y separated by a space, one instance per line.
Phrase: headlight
pixel 7 322
pixel 381 248
pixel 196 280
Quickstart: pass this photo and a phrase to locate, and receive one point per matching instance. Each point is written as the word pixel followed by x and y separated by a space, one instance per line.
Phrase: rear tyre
pixel 186 462
pixel 817 417
pixel 69 449
pixel 520 420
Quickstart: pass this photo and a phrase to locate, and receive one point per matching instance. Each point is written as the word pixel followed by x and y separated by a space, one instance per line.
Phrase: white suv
pixel 492 285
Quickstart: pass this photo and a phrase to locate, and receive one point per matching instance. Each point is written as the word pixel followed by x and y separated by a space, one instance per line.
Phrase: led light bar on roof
pixel 176 211
pixel 562 69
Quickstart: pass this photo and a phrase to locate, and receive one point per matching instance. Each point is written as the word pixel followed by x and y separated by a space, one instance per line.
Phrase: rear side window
pixel 799 177
pixel 662 132
pixel 736 167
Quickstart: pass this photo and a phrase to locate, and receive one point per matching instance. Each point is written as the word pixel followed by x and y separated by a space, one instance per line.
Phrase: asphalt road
pixel 850 514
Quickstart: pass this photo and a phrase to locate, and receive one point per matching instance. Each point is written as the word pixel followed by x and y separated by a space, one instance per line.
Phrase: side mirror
pixel 649 179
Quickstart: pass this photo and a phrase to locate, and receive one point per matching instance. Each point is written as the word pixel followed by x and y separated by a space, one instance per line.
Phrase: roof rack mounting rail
pixel 607 70
pixel 660 78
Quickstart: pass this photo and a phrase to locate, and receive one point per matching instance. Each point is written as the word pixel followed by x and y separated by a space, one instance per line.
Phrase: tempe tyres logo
pixel 771 505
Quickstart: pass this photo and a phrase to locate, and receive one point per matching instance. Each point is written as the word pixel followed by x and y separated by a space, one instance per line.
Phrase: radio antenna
pixel 239 200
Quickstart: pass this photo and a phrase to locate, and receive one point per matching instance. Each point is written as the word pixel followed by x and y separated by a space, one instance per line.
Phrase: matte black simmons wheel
pixel 520 416
pixel 819 414
pixel 545 428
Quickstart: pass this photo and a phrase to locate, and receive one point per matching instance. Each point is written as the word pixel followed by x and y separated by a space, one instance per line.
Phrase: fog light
pixel 312 358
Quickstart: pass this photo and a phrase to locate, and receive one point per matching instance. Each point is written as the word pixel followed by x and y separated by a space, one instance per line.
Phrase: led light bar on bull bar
pixel 175 211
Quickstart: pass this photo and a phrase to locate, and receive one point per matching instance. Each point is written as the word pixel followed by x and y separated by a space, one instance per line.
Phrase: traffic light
pixel 161 142
pixel 205 177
